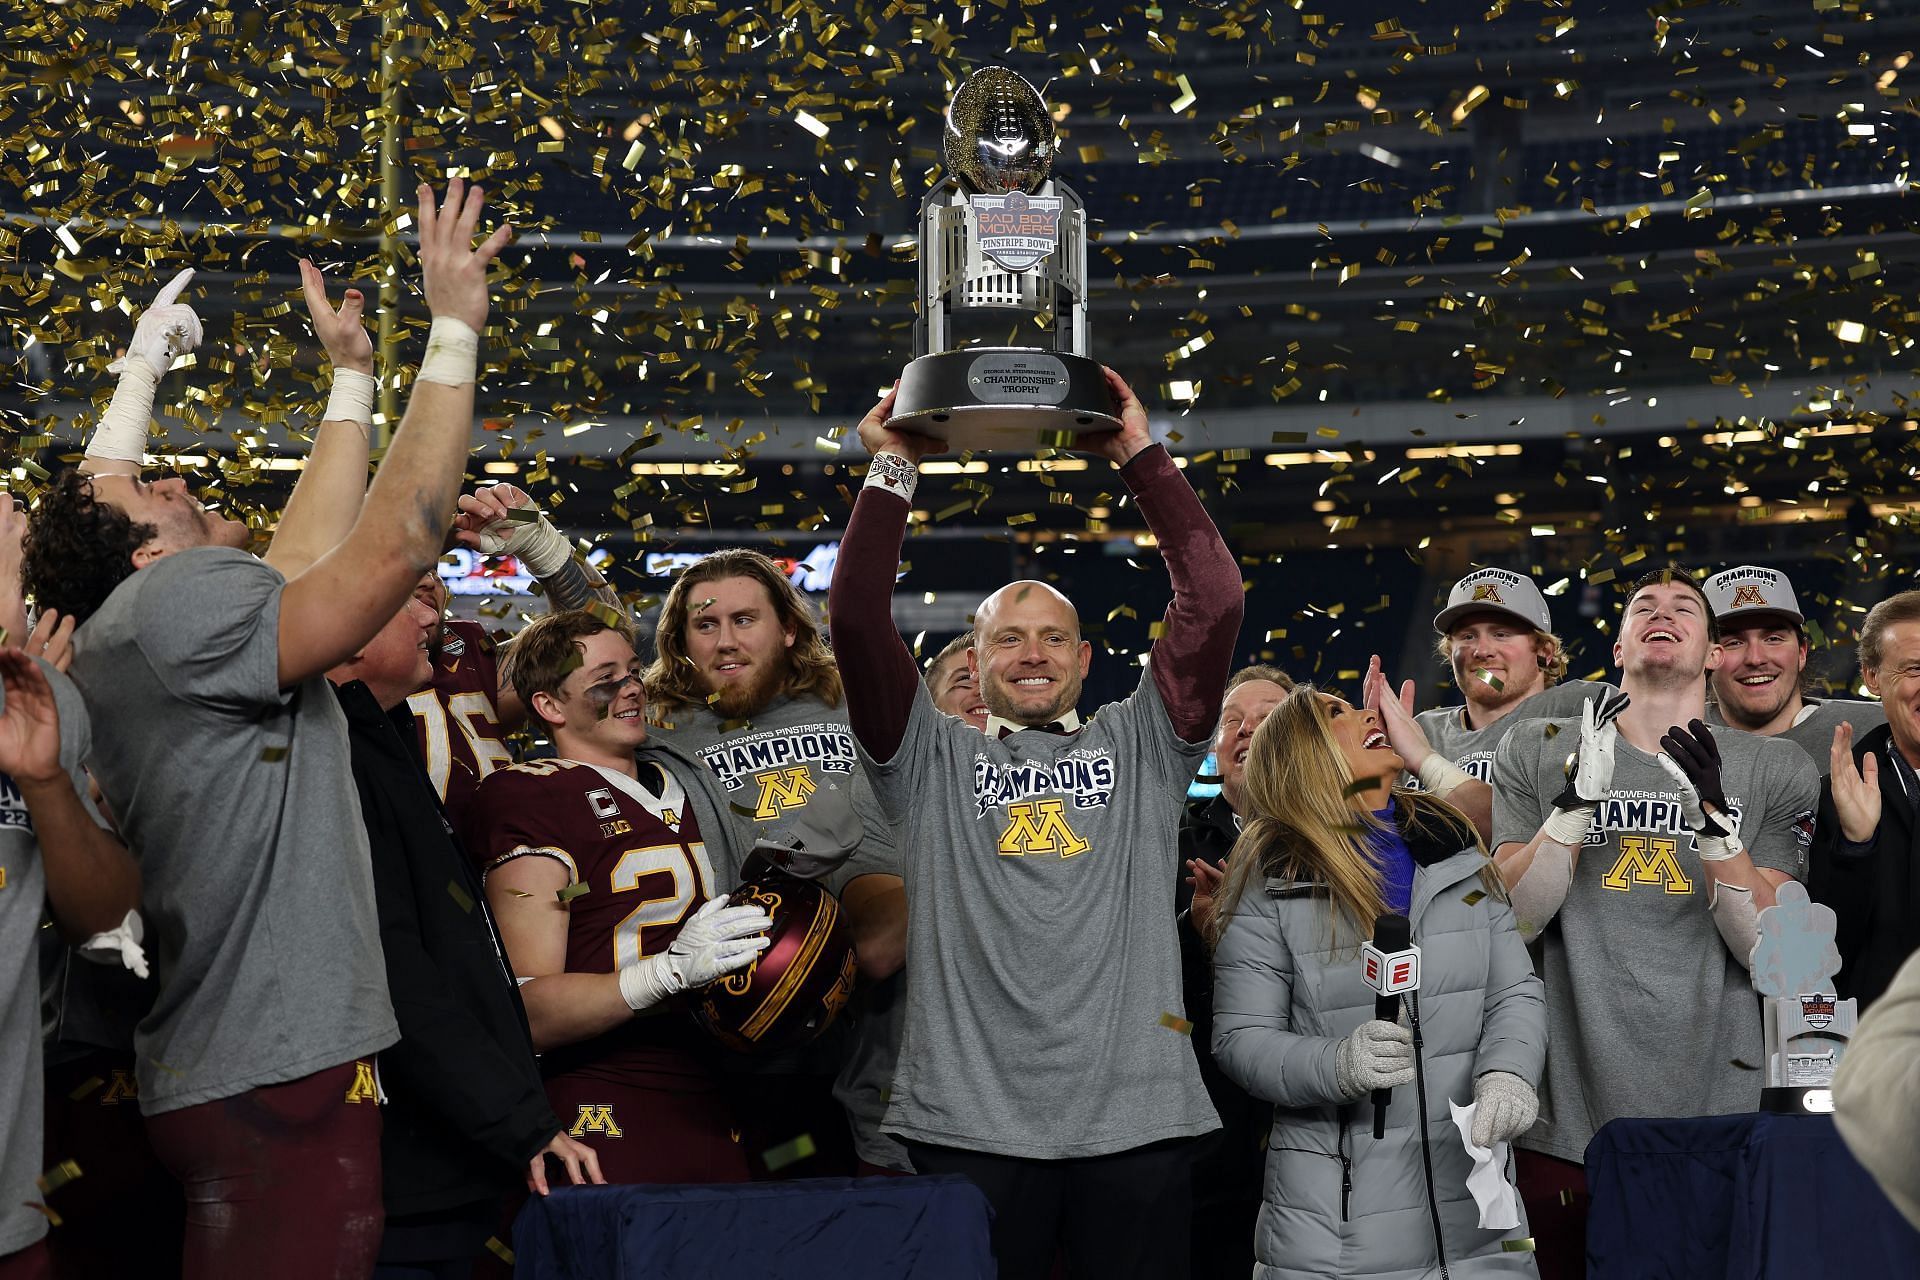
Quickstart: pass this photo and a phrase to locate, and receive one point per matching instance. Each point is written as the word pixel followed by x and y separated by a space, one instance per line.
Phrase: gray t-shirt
pixel 1044 1008
pixel 793 770
pixel 1648 1013
pixel 237 799
pixel 1472 749
pixel 23 889
pixel 1813 731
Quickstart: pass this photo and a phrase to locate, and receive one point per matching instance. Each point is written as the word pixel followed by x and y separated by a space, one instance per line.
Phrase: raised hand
pixel 878 436
pixel 1133 434
pixel 1404 733
pixel 52 639
pixel 1205 877
pixel 167 329
pixel 342 331
pixel 1856 788
pixel 454 272
pixel 29 723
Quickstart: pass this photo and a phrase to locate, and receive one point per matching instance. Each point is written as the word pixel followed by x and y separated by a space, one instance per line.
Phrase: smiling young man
pixel 1640 867
pixel 955 688
pixel 1758 686
pixel 597 867
pixel 1045 1054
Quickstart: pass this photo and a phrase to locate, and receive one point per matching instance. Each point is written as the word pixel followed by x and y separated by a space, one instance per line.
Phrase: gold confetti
pixel 57 1177
pixel 84 1088
pixel 1174 1022
pixel 272 755
pixel 51 1216
pixel 460 896
pixel 573 891
pixel 498 1250
pixel 1517 1246
pixel 1488 678
pixel 778 1158
pixel 1475 898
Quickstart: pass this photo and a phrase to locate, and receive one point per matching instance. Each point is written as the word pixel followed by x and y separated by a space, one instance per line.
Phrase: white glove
pixel 120 945
pixel 1378 1055
pixel 1573 808
pixel 716 940
pixel 533 541
pixel 1505 1106
pixel 167 329
pixel 1713 847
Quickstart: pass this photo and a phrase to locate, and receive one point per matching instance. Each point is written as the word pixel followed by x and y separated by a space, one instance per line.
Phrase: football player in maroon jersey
pixel 464 714
pixel 598 873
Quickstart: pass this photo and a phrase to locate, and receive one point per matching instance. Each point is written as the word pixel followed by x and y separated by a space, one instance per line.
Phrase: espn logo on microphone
pixel 1389 973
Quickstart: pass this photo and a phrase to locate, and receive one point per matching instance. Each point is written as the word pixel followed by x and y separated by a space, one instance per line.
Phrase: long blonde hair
pixel 1300 822
pixel 672 680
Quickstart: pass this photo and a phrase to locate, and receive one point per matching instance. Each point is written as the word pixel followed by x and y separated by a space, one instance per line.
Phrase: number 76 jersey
pixel 457 718
pixel 636 866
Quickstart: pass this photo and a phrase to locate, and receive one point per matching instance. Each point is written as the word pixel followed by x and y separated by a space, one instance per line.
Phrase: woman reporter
pixel 1329 844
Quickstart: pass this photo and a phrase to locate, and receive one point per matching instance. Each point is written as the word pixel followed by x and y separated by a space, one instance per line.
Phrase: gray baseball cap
pixel 1752 589
pixel 1495 591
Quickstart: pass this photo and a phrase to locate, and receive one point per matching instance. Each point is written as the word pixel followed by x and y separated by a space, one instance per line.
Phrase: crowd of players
pixel 334 982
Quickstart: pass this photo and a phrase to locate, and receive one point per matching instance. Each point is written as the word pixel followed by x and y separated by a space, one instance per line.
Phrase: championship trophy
pixel 1002 243
pixel 1807 1025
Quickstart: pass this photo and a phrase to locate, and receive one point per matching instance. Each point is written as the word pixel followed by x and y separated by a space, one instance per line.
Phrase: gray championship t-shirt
pixel 1044 1011
pixel 237 798
pixel 1813 730
pixel 795 770
pixel 1472 749
pixel 23 900
pixel 1648 1012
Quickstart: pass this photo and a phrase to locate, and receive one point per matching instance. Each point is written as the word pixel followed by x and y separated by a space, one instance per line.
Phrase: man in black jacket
pixel 1864 844
pixel 466 1116
pixel 1228 1165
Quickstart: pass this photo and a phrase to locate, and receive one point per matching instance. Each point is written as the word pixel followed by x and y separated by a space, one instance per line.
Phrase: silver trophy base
pixel 1019 398
pixel 1798 1100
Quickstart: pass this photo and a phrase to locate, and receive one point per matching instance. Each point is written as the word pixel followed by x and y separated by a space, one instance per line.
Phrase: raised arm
pixel 1202 623
pixel 167 329
pixel 92 882
pixel 328 494
pixel 860 601
pixel 1438 775
pixel 340 603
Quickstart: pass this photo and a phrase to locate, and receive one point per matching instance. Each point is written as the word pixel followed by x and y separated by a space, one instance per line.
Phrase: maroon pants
pixel 123 1215
pixel 1555 1193
pixel 30 1263
pixel 282 1180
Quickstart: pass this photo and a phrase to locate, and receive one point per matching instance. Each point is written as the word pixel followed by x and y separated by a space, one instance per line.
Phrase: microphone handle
pixel 1385 1009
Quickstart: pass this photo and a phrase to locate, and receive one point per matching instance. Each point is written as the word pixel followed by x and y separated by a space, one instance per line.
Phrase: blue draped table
pixel 1742 1197
pixel 839 1228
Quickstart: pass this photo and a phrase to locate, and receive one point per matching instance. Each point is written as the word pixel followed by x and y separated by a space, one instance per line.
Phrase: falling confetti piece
pixel 1487 677
pixel 1174 1022
pixel 778 1158
pixel 58 1176
pixel 84 1088
pixel 52 1217
pixel 460 896
pixel 1475 898
pixel 499 1250
pixel 573 891
pixel 273 755
pixel 1517 1246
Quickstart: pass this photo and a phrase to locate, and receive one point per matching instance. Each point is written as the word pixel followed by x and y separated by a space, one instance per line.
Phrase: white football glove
pixel 1592 777
pixel 167 329
pixel 120 945
pixel 716 940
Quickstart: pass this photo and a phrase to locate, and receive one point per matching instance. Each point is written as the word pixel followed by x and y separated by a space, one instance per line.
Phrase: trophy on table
pixel 1001 241
pixel 1807 1025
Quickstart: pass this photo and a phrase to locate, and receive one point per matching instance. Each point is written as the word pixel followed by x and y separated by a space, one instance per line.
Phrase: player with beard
pixel 1227 1167
pixel 598 871
pixel 1640 866
pixel 203 670
pixel 1757 687
pixel 743 679
pixel 952 684
pixel 1044 1055
pixel 463 713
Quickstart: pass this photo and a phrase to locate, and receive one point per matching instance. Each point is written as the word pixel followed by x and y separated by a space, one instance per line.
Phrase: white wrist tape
pixel 453 353
pixel 122 433
pixel 1440 776
pixel 351 399
pixel 646 984
pixel 543 549
pixel 1539 893
pixel 897 475
pixel 1568 826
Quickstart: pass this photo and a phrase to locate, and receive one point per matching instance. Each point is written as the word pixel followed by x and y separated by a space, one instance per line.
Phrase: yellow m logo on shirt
pixel 363 1088
pixel 121 1087
pixel 595 1117
pixel 781 790
pixel 1647 860
pixel 1039 826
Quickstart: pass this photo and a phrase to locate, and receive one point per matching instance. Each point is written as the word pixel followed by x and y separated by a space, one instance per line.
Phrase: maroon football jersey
pixel 636 870
pixel 457 716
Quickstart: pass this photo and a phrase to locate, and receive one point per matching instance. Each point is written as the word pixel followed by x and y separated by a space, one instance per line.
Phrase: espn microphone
pixel 1391 964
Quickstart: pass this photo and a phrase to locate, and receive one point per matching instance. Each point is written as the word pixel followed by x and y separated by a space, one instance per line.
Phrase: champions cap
pixel 1495 591
pixel 1751 589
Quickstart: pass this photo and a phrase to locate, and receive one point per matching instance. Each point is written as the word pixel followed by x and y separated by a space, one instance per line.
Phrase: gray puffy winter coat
pixel 1337 1202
